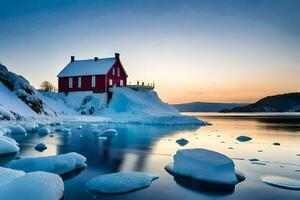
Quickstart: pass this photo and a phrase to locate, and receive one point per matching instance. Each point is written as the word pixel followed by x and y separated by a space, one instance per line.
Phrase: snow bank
pixel 282 182
pixel 205 165
pixel 143 106
pixel 8 145
pixel 17 129
pixel 121 182
pixel 59 164
pixel 35 185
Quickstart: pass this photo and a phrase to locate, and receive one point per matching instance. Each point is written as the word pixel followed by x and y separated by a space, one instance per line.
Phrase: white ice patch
pixel 205 165
pixel 8 145
pixel 121 182
pixel 59 164
pixel 282 182
pixel 35 185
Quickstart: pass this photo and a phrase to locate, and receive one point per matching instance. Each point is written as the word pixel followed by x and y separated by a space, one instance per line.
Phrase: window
pixel 121 83
pixel 70 82
pixel 93 81
pixel 113 71
pixel 110 82
pixel 118 71
pixel 79 82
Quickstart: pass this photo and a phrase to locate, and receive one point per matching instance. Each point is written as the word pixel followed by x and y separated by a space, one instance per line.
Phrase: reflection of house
pixel 95 75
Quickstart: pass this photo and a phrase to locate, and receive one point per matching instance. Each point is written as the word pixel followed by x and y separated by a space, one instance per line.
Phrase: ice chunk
pixel 7 175
pixel 17 129
pixel 121 182
pixel 182 142
pixel 35 185
pixel 205 165
pixel 44 130
pixel 4 131
pixel 8 145
pixel 110 131
pixel 282 182
pixel 244 138
pixel 41 147
pixel 66 131
pixel 59 164
pixel 30 127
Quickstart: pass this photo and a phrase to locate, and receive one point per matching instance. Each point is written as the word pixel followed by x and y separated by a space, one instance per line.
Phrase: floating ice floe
pixel 282 182
pixel 35 185
pixel 205 166
pixel 44 130
pixel 244 138
pixel 182 142
pixel 17 129
pixel 121 182
pixel 59 164
pixel 8 145
pixel 110 132
pixel 7 175
pixel 41 147
pixel 66 131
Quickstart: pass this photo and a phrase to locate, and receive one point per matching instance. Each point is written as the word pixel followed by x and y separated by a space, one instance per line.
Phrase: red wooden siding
pixel 115 79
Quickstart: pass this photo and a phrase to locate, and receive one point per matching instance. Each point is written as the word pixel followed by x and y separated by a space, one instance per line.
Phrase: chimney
pixel 72 58
pixel 117 56
pixel 95 58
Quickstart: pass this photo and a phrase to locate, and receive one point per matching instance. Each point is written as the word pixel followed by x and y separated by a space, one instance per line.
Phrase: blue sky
pixel 224 51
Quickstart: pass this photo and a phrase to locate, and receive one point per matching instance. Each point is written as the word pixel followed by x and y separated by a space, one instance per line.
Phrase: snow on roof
pixel 87 67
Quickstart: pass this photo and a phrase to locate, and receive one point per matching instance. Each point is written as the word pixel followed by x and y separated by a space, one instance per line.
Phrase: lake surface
pixel 150 148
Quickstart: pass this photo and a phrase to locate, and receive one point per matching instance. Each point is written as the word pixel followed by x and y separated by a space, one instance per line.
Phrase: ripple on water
pixel 282 182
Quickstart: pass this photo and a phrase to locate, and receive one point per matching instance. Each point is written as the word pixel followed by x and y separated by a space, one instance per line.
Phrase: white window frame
pixel 93 81
pixel 110 82
pixel 79 82
pixel 70 82
pixel 121 83
pixel 118 71
pixel 113 72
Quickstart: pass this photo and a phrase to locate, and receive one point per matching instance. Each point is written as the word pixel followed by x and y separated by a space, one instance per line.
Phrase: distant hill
pixel 205 106
pixel 279 103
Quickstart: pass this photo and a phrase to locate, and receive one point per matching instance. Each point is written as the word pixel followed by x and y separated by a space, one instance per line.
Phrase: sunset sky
pixel 212 50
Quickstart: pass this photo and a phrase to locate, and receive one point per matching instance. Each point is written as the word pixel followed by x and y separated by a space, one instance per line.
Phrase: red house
pixel 96 75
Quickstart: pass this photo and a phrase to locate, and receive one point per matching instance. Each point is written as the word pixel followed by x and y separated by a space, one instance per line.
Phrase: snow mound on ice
pixel 17 129
pixel 8 145
pixel 182 142
pixel 44 130
pixel 244 138
pixel 4 131
pixel 35 185
pixel 121 182
pixel 110 131
pixel 30 127
pixel 144 107
pixel 7 175
pixel 41 147
pixel 282 182
pixel 205 165
pixel 59 164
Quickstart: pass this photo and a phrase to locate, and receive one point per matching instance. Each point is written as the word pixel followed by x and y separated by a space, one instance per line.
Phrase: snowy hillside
pixel 143 106
pixel 20 100
pixel 21 88
pixel 11 107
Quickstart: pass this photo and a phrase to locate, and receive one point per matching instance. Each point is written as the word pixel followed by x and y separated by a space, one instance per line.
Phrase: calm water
pixel 150 149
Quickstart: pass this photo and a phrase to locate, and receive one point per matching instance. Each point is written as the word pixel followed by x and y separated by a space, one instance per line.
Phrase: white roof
pixel 87 67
